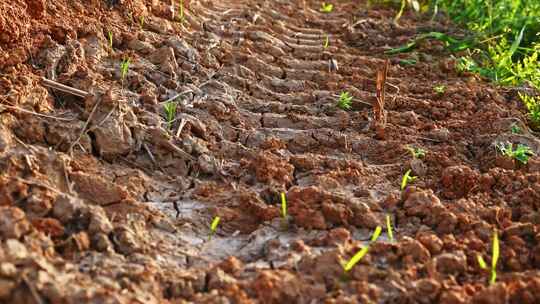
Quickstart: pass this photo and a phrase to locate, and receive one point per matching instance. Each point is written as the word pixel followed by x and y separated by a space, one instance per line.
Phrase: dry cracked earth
pixel 103 200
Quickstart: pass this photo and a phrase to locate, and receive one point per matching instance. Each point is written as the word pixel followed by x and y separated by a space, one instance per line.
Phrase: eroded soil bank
pixel 102 200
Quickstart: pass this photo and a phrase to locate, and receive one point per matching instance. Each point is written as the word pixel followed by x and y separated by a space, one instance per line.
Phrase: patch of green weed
pixel 521 153
pixel 345 101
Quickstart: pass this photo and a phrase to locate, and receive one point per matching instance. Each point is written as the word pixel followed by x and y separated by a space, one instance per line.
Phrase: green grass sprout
pixel 360 254
pixel 345 101
pixel 326 42
pixel 533 107
pixel 181 16
pixel 406 62
pixel 110 36
pixel 170 112
pixel 124 67
pixel 283 205
pixel 213 226
pixel 439 89
pixel 515 129
pixel 406 179
pixel 521 153
pixel 376 234
pixel 417 152
pixel 389 228
pixel 495 252
pixel 326 7
pixel 141 22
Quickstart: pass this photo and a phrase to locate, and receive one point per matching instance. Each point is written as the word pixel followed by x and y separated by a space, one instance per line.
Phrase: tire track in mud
pixel 257 91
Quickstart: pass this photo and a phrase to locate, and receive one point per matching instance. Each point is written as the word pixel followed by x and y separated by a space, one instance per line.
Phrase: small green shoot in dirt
pixel 170 112
pixel 326 7
pixel 406 179
pixel 283 210
pixel 110 36
pixel 181 16
pixel 406 62
pixel 515 129
pixel 141 22
pixel 417 152
pixel 521 153
pixel 439 89
pixel 283 205
pixel 124 68
pixel 326 42
pixel 360 254
pixel 495 252
pixel 389 228
pixel 345 100
pixel 533 107
pixel 213 226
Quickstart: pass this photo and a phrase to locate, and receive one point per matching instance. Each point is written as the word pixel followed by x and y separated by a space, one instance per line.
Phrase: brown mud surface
pixel 103 201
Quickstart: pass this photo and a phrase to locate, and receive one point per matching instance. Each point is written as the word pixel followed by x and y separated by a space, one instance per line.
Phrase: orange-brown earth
pixel 103 201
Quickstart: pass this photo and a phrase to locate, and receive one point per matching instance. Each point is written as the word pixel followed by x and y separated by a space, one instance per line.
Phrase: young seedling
pixel 494 258
pixel 213 226
pixel 439 89
pixel 345 100
pixel 326 42
pixel 521 153
pixel 283 209
pixel 515 129
pixel 124 68
pixel 170 112
pixel 389 228
pixel 406 179
pixel 360 254
pixel 326 7
pixel 417 152
pixel 110 36
pixel 533 107
pixel 141 22
pixel 181 11
pixel 406 62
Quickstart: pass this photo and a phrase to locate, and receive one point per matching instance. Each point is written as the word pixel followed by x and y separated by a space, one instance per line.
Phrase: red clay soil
pixel 103 201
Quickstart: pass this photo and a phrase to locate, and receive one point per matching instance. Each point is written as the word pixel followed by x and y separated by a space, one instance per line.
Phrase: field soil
pixel 104 200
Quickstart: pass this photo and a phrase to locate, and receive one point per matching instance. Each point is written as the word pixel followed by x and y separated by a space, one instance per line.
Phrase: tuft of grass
pixel 326 7
pixel 439 89
pixel 502 43
pixel 495 252
pixel 124 68
pixel 345 101
pixel 170 112
pixel 417 152
pixel 389 228
pixel 533 107
pixel 406 179
pixel 213 226
pixel 521 153
pixel 362 252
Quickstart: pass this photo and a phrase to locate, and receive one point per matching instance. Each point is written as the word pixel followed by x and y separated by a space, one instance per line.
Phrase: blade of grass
pixel 389 228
